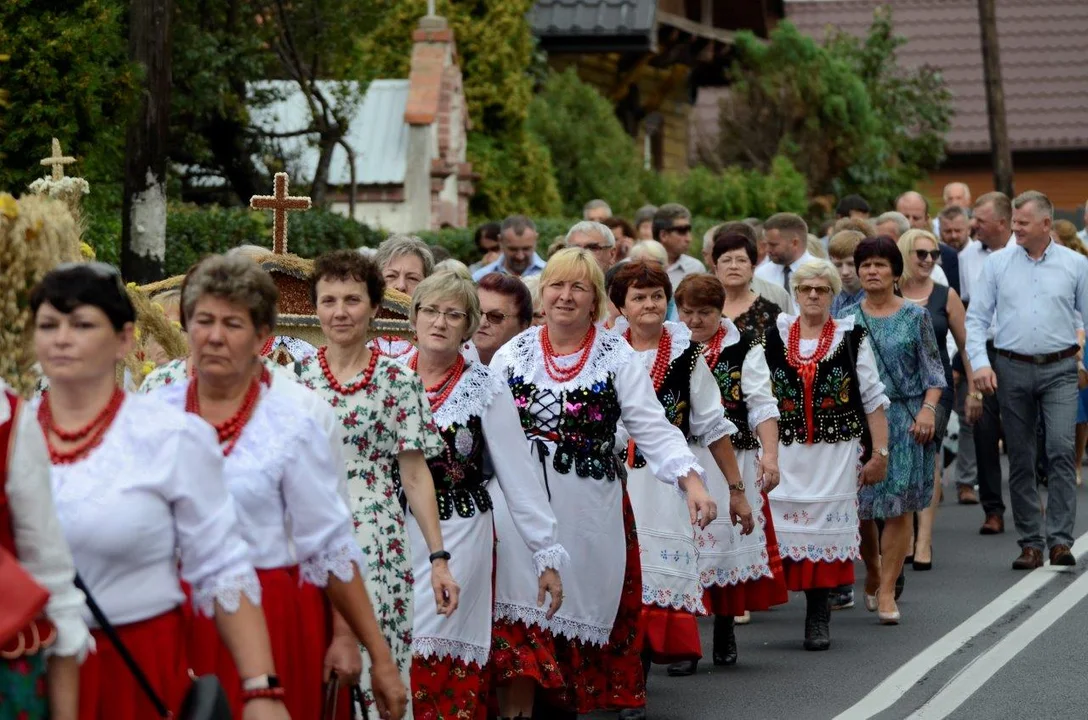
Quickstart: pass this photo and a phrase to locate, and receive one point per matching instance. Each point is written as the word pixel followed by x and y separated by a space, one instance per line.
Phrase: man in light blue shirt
pixel 517 241
pixel 1037 290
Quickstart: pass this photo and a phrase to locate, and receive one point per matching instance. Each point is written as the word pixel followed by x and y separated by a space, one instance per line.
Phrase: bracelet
pixel 976 395
pixel 271 693
pixel 439 555
pixel 931 406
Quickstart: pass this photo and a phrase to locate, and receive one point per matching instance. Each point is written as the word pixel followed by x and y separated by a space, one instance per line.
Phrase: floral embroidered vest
pixel 459 481
pixel 675 395
pixel 838 414
pixel 727 372
pixel 583 433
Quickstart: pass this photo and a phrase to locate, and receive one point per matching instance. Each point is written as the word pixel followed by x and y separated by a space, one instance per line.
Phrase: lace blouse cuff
pixel 880 401
pixel 73 638
pixel 762 413
pixel 718 431
pixel 678 467
pixel 340 558
pixel 550 558
pixel 226 591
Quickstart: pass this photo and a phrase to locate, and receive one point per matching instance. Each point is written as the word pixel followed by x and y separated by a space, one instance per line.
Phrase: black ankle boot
pixel 683 668
pixel 725 640
pixel 817 620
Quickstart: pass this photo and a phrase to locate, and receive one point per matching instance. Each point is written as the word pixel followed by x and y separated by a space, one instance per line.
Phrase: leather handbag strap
pixel 111 633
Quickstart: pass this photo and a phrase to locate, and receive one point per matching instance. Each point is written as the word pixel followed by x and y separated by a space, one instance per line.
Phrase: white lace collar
pixel 395 348
pixel 524 357
pixel 681 338
pixel 732 334
pixel 471 398
pixel 842 326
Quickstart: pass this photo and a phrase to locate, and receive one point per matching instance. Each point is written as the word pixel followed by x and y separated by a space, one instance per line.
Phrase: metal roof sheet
pixel 580 18
pixel 377 132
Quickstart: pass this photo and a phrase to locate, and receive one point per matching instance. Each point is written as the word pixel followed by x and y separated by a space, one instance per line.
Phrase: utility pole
pixel 143 225
pixel 995 98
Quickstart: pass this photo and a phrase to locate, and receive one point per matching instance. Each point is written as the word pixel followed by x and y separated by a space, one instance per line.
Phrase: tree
pixel 842 112
pixel 592 154
pixel 495 47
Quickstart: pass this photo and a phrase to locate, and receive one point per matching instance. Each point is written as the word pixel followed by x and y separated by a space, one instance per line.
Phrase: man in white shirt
pixel 956 194
pixel 672 228
pixel 787 242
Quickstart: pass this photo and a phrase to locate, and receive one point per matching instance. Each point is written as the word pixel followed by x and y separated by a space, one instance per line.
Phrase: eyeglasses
pixel 740 261
pixel 495 317
pixel 680 229
pixel 820 290
pixel 933 255
pixel 594 247
pixel 431 313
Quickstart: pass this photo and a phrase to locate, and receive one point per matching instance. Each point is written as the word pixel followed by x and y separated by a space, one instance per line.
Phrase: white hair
pixel 650 250
pixel 596 205
pixel 816 270
pixel 590 227
pixel 900 220
pixel 455 266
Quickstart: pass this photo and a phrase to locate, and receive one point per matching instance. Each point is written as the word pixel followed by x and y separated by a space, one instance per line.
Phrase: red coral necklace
pixel 712 350
pixel 557 373
pixel 87 438
pixel 230 429
pixel 354 387
pixel 806 367
pixel 661 363
pixel 438 393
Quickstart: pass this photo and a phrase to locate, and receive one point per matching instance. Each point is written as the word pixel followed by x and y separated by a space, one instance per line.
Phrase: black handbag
pixel 332 694
pixel 205 700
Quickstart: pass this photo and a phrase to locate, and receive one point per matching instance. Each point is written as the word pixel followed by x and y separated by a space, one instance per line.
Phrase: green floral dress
pixel 388 416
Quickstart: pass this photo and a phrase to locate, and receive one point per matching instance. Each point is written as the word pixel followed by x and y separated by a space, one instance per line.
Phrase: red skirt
pixel 755 595
pixel 809 575
pixel 670 635
pixel 299 628
pixel 518 652
pixel 108 690
pixel 445 688
pixel 609 677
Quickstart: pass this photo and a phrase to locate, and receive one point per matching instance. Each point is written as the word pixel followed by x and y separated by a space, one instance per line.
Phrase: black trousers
pixel 987 439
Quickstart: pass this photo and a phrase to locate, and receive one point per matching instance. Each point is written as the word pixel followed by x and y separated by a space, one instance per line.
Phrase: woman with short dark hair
pixel 735 264
pixel 506 309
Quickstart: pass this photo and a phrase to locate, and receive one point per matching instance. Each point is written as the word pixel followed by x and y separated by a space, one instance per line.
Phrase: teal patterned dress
pixel 909 362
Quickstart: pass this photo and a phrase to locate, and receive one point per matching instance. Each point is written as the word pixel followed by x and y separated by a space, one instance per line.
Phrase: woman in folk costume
pixel 387 434
pixel 138 485
pixel 404 261
pixel 671 591
pixel 475 413
pixel 286 482
pixel 573 385
pixel 824 376
pixel 740 572
pixel 39 667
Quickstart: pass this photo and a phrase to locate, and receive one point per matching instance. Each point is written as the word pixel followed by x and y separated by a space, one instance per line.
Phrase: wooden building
pixel 650 58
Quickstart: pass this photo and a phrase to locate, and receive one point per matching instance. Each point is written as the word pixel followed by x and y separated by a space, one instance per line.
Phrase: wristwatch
pixel 739 487
pixel 882 452
pixel 261 682
pixel 439 555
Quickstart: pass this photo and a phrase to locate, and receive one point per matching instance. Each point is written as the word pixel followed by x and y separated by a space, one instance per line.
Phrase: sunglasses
pixel 820 290
pixel 933 255
pixel 495 317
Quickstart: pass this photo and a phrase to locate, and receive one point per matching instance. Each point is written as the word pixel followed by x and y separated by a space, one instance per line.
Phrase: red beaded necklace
pixel 712 350
pixel 440 392
pixel 90 435
pixel 230 429
pixel 356 386
pixel 661 363
pixel 806 367
pixel 552 368
pixel 266 349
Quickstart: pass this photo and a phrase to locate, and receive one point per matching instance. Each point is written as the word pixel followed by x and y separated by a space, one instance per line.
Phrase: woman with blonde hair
pixel 946 311
pixel 573 384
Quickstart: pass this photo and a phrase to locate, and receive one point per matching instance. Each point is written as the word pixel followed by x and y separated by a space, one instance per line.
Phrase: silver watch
pixel 882 452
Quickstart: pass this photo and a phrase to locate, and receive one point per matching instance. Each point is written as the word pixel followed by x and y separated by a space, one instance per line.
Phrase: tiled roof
pixel 1044 61
pixel 593 19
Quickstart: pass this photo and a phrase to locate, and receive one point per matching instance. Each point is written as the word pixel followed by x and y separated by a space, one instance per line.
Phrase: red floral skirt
pixel 761 594
pixel 446 689
pixel 108 690
pixel 299 628
pixel 518 651
pixel 670 635
pixel 809 575
pixel 608 677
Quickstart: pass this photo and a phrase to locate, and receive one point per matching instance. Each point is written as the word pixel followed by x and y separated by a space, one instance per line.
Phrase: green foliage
pixel 593 155
pixel 842 112
pixel 495 49
pixel 68 77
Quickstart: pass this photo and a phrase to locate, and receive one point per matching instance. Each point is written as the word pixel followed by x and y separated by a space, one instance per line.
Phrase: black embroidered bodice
pixel 581 422
pixel 458 472
pixel 675 395
pixel 727 373
pixel 838 414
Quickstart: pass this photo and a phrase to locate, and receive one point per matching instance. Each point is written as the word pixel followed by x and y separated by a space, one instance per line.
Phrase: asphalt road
pixel 977 640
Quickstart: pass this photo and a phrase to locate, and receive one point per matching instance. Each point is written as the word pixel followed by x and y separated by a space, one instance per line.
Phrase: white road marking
pixel 899 683
pixel 968 681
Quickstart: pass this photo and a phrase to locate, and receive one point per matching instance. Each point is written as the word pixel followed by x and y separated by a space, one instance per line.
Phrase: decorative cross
pixel 57 161
pixel 279 204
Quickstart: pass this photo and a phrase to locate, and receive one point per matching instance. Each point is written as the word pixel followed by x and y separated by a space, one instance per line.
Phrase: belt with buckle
pixel 1045 359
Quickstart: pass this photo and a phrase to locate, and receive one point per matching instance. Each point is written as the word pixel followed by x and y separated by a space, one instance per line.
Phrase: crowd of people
pixel 519 508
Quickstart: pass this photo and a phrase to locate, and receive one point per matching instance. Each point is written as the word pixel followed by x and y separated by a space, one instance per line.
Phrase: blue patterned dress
pixel 909 363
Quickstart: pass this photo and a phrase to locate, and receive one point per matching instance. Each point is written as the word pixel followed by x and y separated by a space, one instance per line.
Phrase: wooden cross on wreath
pixel 57 161
pixel 280 204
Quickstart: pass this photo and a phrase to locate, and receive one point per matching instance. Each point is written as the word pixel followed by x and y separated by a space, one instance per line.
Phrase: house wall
pixel 389 215
pixel 1067 187
pixel 600 70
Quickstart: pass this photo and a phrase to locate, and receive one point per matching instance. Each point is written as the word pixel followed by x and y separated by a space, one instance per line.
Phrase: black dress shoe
pixel 817 620
pixel 685 668
pixel 725 640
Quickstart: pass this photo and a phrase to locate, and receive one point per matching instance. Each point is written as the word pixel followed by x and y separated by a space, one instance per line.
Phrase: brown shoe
pixel 967 495
pixel 994 525
pixel 1030 558
pixel 1060 555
